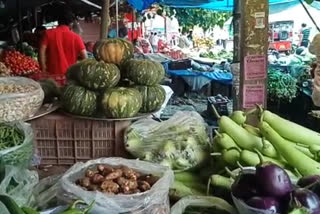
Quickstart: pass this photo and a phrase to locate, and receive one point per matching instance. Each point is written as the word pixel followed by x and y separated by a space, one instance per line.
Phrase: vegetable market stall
pixel 196 80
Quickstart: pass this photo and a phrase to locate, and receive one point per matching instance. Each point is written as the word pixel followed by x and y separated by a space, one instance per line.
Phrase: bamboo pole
pixel 117 16
pixel 105 19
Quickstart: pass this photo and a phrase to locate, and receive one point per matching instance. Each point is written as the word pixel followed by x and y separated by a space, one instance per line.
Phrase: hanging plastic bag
pixel 18 184
pixel 154 201
pixel 20 155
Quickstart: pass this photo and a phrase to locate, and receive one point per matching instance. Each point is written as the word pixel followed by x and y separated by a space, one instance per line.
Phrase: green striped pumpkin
pixel 152 97
pixel 114 51
pixel 121 102
pixel 95 75
pixel 79 100
pixel 144 71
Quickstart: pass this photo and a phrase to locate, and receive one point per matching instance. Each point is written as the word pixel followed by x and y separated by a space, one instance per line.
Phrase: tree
pixel 190 17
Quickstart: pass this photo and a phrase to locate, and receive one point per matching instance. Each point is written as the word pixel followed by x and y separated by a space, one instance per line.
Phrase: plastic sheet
pixel 20 155
pixel 154 201
pixel 18 184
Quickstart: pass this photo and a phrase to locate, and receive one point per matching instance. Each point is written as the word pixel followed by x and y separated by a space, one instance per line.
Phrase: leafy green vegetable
pixel 281 86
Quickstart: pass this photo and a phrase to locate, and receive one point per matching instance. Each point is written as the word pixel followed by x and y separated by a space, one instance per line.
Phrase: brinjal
pixel 273 181
pixel 311 182
pixel 245 186
pixel 305 198
pixel 264 203
pixel 308 180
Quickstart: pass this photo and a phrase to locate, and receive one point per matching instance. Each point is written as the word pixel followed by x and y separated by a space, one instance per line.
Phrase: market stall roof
pixel 223 5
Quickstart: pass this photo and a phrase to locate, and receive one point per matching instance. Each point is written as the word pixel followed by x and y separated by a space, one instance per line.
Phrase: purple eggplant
pixel 305 198
pixel 308 180
pixel 264 203
pixel 245 186
pixel 311 182
pixel 273 181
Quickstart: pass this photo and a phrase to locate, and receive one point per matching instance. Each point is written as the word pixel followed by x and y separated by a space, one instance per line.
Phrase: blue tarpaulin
pixel 223 5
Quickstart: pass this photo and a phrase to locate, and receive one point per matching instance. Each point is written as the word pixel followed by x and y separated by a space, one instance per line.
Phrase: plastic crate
pixel 59 78
pixel 62 140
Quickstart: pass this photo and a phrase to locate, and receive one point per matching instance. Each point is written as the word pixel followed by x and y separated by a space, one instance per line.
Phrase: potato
pixel 97 179
pixel 114 175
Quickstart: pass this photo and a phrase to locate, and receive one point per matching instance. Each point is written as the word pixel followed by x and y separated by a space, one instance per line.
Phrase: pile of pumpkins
pixel 113 84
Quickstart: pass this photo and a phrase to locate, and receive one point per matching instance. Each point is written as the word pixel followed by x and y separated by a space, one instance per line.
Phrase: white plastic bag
pixel 181 142
pixel 18 184
pixel 20 155
pixel 154 201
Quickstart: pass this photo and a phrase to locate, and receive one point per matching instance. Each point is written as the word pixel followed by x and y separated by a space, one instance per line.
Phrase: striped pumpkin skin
pixel 152 97
pixel 121 102
pixel 94 75
pixel 114 51
pixel 144 72
pixel 79 100
pixel 99 75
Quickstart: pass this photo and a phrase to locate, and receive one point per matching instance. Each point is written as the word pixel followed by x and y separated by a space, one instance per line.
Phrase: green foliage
pixel 281 86
pixel 190 17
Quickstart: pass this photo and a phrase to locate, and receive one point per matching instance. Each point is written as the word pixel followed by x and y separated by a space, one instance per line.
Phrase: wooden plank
pixel 105 19
pixel 253 52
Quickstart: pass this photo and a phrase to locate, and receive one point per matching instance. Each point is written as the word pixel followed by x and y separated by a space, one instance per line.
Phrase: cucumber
pixel 221 181
pixel 252 130
pixel 11 205
pixel 231 156
pixel 297 159
pixel 225 141
pixel 252 159
pixel 291 131
pixel 239 117
pixel 242 138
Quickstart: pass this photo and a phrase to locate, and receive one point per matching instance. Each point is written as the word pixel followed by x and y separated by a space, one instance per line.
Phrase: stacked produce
pixel 116 180
pixel 203 42
pixel 20 64
pixel 180 142
pixel 95 88
pixel 269 189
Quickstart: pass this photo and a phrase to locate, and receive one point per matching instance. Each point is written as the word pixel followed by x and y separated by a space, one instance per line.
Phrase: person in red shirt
pixel 60 47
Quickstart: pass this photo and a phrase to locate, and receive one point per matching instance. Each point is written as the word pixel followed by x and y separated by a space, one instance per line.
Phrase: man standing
pixel 60 47
pixel 305 33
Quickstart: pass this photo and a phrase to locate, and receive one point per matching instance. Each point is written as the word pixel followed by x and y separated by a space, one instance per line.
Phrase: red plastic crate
pixel 59 78
pixel 63 140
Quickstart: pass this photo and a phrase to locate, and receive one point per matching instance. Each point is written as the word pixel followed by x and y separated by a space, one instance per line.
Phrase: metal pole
pixel 117 16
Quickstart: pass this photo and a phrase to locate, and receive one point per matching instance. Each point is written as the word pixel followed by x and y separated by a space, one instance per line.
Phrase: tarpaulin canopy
pixel 223 5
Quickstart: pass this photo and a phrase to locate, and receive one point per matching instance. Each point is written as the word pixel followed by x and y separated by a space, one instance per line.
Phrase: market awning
pixel 223 5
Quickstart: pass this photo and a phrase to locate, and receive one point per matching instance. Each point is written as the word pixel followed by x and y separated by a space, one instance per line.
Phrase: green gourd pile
pixel 275 139
pixel 96 87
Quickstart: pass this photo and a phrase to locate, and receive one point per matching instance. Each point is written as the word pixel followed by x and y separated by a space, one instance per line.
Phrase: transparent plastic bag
pixel 154 201
pixel 209 203
pixel 180 142
pixel 19 106
pixel 20 155
pixel 18 184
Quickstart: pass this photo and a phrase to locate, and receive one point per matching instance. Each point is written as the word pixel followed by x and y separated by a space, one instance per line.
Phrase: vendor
pixel 60 47
pixel 314 48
